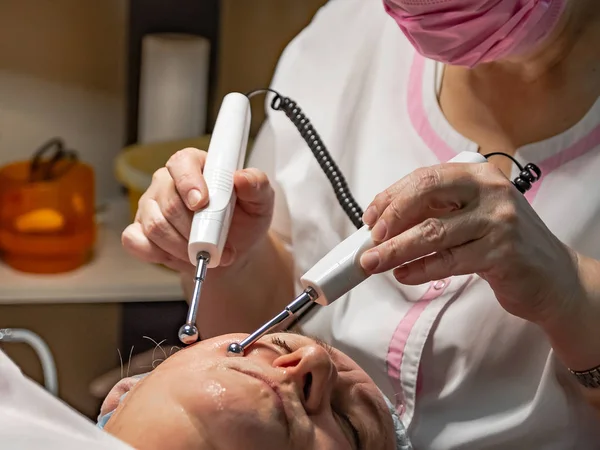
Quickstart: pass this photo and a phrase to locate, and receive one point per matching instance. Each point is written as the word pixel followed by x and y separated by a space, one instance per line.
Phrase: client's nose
pixel 310 368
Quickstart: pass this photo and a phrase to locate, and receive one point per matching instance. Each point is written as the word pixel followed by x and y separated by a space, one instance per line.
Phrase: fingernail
pixel 370 215
pixel 369 261
pixel 194 197
pixel 400 272
pixel 379 231
pixel 251 180
pixel 226 256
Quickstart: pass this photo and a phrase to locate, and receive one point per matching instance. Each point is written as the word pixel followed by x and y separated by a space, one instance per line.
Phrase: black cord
pixel 528 175
pixel 318 149
pixel 523 182
pixel 517 163
pixel 262 91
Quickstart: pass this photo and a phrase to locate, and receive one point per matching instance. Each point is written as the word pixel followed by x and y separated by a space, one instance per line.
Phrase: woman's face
pixel 288 392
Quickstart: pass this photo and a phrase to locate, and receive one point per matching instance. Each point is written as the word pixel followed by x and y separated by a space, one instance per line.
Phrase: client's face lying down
pixel 288 392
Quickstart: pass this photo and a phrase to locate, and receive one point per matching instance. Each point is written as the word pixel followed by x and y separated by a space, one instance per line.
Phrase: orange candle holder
pixel 47 225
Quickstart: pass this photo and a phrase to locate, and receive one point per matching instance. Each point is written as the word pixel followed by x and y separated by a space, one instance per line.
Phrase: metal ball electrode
pixel 235 349
pixel 188 334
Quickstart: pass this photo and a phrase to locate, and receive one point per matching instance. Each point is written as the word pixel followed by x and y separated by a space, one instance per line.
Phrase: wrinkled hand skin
pixel 457 219
pixel 474 221
pixel 160 231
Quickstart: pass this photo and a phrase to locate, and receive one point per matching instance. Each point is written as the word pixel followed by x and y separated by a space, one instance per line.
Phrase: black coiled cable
pixel 322 155
pixel 523 182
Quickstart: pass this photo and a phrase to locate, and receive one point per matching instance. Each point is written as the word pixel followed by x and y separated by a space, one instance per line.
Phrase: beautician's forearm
pixel 576 337
pixel 241 297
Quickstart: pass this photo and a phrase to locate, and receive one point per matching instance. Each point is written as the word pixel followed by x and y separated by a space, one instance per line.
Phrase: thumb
pixel 254 192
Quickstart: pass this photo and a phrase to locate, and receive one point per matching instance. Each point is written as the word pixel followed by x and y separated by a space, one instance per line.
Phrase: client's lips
pixel 274 387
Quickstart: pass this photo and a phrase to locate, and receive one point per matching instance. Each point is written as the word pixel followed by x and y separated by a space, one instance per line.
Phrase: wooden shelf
pixel 112 276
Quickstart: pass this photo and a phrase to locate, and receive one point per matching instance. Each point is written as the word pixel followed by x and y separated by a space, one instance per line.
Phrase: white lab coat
pixel 464 373
pixel 32 419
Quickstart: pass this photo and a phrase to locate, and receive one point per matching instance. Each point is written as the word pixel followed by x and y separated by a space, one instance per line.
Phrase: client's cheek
pixel 328 434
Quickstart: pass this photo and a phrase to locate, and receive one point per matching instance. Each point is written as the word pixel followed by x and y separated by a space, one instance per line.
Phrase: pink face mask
pixel 469 32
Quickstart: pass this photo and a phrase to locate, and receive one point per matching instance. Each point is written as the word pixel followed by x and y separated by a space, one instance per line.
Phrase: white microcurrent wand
pixel 334 275
pixel 210 226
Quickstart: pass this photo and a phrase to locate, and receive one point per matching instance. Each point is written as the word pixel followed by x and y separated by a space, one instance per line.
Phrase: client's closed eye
pixel 350 430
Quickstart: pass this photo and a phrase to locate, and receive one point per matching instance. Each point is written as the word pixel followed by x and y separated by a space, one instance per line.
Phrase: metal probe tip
pixel 235 349
pixel 309 295
pixel 188 333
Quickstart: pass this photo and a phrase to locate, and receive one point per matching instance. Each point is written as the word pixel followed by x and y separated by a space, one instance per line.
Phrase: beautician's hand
pixel 163 221
pixel 475 221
